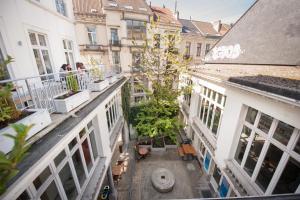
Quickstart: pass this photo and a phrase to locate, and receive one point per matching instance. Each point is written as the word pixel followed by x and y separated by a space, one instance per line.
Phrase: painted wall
pixel 17 18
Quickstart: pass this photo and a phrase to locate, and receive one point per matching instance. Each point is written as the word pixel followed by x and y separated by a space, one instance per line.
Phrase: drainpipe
pixel 114 193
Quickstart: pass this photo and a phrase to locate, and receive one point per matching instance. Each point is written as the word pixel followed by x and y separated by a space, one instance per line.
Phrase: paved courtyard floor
pixel 190 181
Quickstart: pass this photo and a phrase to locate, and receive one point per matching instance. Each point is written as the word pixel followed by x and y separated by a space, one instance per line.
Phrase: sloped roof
pixel 137 6
pixel 267 34
pixel 165 16
pixel 188 26
pixel 206 28
pixel 87 7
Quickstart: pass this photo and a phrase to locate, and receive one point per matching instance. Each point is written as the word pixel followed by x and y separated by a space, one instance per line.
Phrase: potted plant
pixel 158 144
pixel 98 84
pixel 71 99
pixel 9 162
pixel 10 114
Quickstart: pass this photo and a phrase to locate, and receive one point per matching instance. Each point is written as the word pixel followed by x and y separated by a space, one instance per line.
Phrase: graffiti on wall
pixel 222 52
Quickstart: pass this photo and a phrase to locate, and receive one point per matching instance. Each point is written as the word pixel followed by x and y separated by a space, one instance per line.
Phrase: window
pixel 114 35
pixel 290 178
pixel 112 111
pixel 210 108
pixel 87 154
pixel 23 196
pixel 187 48
pixel 51 192
pixel 268 167
pixel 116 57
pixel 136 29
pixel 207 48
pixel 68 50
pixel 61 7
pixel 92 35
pixel 60 157
pixel 199 49
pixel 136 59
pixel 79 167
pixel 261 156
pixel 241 148
pixel 41 178
pixel 68 183
pixel 217 174
pixel 138 99
pixel 41 52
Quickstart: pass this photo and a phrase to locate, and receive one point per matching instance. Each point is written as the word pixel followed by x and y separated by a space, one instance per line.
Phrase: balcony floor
pixel 136 184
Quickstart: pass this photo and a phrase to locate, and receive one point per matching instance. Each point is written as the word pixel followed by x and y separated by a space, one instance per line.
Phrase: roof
pixel 136 6
pixel 267 34
pixel 165 16
pixel 87 7
pixel 281 80
pixel 188 26
pixel 206 28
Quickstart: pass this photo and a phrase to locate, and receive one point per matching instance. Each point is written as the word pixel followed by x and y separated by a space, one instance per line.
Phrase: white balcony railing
pixel 40 91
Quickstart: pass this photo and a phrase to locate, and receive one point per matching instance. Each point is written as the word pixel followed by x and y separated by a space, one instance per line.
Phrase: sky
pixel 227 11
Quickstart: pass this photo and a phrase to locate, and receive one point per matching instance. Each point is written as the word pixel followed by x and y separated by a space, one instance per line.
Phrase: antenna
pixel 175 11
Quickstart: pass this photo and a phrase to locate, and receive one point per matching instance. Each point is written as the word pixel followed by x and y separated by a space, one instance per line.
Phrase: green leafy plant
pixel 8 110
pixel 96 73
pixel 161 64
pixel 72 83
pixel 9 162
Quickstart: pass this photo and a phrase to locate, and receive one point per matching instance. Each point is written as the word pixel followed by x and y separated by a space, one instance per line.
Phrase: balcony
pixel 93 47
pixel 115 42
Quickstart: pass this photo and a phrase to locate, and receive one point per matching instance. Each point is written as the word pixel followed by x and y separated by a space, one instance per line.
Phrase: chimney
pixel 217 25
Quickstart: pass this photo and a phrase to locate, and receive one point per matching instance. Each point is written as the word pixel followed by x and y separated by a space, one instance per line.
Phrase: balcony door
pixel 114 35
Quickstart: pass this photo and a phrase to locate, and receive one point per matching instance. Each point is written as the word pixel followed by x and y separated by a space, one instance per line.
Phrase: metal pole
pixel 114 193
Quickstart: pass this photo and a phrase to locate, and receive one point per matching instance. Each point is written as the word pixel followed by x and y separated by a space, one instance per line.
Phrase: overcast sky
pixel 208 10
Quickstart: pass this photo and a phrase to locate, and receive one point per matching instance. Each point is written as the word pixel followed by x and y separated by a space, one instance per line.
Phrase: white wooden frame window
pixel 113 111
pixel 210 104
pixel 288 151
pixel 68 51
pixel 59 162
pixel 92 35
pixel 41 52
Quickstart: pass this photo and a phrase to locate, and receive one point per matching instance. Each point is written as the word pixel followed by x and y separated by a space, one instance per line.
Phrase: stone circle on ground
pixel 163 180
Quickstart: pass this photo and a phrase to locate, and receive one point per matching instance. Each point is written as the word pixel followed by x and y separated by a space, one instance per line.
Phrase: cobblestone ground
pixel 136 181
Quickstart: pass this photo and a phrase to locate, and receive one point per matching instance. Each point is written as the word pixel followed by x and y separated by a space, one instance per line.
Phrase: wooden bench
pixel 180 152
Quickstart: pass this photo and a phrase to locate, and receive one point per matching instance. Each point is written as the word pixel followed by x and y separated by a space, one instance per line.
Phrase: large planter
pixel 112 79
pixel 158 145
pixel 39 117
pixel 99 85
pixel 67 104
pixel 169 144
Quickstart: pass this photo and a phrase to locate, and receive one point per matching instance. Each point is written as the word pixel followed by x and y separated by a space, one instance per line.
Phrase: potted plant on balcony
pixel 98 83
pixel 73 98
pixel 10 114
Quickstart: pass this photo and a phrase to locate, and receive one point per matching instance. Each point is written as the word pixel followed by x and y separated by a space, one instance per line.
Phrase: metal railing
pixel 40 91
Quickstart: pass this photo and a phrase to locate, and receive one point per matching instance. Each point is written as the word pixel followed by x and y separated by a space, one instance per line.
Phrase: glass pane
pixel 216 120
pixel 268 167
pixel 64 44
pixel 205 111
pixel 79 167
pixel 71 60
pixel 214 95
pixel 69 45
pixel 23 196
pixel 265 122
pixel 283 132
pixel 217 175
pixel 82 133
pixel 51 193
pixel 72 143
pixel 202 108
pixel 41 178
pixel 94 144
pixel 47 61
pixel 297 147
pixel 220 98
pixel 32 38
pixel 38 61
pixel 59 157
pixel 256 147
pixel 251 115
pixel 290 178
pixel 42 40
pixel 87 154
pixel 211 109
pixel 224 187
pixel 244 139
pixel 89 125
pixel 68 183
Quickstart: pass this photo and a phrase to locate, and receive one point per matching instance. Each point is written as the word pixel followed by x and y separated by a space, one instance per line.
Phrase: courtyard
pixel 135 184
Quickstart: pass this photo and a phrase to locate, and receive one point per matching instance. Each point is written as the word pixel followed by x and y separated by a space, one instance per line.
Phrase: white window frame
pixel 69 50
pixel 92 35
pixel 287 152
pixel 39 48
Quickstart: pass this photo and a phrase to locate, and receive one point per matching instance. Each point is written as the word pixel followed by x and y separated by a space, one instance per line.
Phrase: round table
pixel 163 180
pixel 143 151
